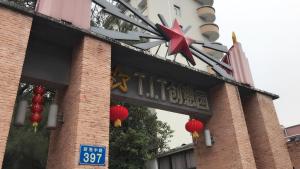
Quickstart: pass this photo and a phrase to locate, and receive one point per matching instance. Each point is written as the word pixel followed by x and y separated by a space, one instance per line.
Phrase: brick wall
pixel 266 135
pixel 293 130
pixel 85 105
pixel 232 148
pixel 14 35
pixel 294 151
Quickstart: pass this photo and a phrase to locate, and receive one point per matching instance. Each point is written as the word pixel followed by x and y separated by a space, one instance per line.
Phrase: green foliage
pixel 140 138
pixel 24 3
pixel 102 19
pixel 26 149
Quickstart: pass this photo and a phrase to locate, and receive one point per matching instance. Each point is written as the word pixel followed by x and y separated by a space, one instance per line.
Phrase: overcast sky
pixel 269 33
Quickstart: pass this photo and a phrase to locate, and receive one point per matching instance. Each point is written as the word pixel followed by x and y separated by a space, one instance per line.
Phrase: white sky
pixel 269 31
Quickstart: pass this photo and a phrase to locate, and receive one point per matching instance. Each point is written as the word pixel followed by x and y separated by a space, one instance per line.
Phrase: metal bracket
pixel 60 119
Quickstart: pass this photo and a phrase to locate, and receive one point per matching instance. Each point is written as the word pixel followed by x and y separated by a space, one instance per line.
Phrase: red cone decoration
pixel 195 127
pixel 118 114
pixel 37 106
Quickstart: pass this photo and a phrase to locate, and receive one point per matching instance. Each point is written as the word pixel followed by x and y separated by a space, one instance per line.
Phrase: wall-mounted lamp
pixel 209 140
pixel 20 116
pixel 52 117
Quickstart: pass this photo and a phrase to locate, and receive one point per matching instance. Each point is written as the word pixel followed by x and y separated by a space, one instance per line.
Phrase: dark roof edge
pixel 292 126
pixel 272 95
pixel 32 13
pixel 176 150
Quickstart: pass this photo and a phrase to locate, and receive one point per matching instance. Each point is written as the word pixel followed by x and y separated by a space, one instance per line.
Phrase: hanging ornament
pixel 37 106
pixel 38 98
pixel 118 114
pixel 194 127
pixel 36 118
pixel 39 90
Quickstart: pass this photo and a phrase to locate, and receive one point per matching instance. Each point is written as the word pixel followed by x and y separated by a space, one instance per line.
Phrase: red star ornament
pixel 179 43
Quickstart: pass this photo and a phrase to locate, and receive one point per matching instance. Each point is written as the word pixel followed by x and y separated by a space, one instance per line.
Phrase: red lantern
pixel 118 114
pixel 38 99
pixel 39 90
pixel 195 127
pixel 36 118
pixel 37 108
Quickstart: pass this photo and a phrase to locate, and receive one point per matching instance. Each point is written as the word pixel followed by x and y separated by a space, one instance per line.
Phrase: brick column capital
pixel 14 34
pixel 266 135
pixel 85 105
pixel 232 148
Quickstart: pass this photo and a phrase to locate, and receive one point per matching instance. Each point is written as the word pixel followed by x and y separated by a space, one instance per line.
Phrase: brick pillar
pixel 14 35
pixel 294 151
pixel 269 147
pixel 85 106
pixel 232 148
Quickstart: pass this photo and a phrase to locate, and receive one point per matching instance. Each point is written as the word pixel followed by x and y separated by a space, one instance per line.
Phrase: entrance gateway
pixel 88 68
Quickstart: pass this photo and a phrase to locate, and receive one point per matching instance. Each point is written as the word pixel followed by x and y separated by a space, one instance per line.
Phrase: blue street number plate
pixel 92 155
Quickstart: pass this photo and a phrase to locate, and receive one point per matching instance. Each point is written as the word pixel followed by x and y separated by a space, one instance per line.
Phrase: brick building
pixel 178 158
pixel 63 54
pixel 183 157
pixel 292 135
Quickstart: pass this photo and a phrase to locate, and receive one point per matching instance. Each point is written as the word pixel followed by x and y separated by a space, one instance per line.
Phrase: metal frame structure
pixel 151 31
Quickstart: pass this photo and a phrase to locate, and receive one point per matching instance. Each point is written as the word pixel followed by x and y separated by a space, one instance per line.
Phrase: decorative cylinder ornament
pixel 21 113
pixel 208 138
pixel 118 114
pixel 194 127
pixel 52 116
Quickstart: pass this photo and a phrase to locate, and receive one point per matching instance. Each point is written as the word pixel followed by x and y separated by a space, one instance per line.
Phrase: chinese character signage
pixel 92 155
pixel 142 88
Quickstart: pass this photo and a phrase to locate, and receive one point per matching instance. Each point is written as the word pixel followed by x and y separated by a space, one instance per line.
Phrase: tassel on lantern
pixel 195 135
pixel 118 123
pixel 35 125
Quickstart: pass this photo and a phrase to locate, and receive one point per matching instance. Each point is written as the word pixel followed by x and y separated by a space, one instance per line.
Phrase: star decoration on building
pixel 119 80
pixel 179 43
pixel 157 35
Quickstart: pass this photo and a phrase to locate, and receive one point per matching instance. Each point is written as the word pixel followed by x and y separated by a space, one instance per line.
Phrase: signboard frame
pixel 81 155
pixel 142 87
